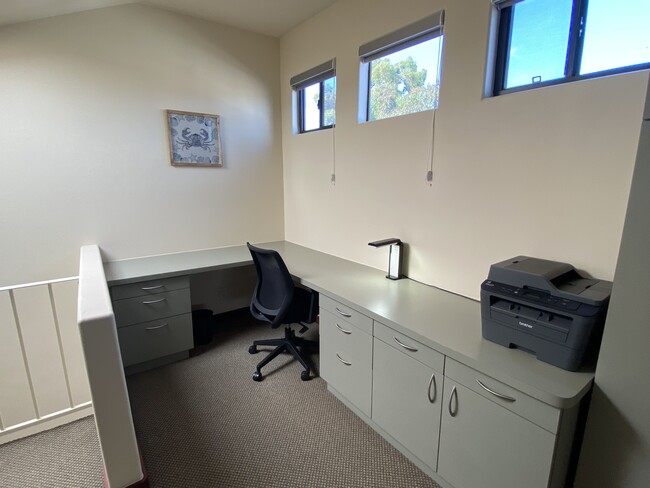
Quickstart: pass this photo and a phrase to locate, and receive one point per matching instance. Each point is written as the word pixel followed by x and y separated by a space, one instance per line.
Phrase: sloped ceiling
pixel 269 17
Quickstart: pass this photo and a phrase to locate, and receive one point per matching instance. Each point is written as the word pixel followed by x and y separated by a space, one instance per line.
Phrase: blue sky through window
pixel 617 34
pixel 539 42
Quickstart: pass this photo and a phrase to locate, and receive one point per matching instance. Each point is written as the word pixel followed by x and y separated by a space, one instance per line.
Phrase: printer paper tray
pixel 531 320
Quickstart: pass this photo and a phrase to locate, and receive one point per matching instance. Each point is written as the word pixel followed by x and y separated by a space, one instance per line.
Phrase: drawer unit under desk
pixel 348 314
pixel 150 287
pixel 131 311
pixel 346 359
pixel 416 350
pixel 155 339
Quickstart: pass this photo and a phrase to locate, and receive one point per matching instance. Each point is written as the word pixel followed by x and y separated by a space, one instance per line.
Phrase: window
pixel 315 97
pixel 545 42
pixel 400 72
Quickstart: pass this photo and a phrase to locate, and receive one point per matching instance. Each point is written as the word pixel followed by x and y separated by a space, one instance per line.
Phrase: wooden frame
pixel 194 139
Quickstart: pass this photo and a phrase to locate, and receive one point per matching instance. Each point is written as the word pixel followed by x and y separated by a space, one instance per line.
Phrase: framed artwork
pixel 194 139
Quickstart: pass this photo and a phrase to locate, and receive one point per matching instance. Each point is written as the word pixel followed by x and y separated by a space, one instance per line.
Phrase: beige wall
pixel 544 172
pixel 84 151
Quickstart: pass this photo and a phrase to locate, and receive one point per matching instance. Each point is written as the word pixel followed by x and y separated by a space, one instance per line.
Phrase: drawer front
pixel 343 312
pixel 155 339
pixel 346 360
pixel 415 349
pixel 539 413
pixel 143 309
pixel 152 287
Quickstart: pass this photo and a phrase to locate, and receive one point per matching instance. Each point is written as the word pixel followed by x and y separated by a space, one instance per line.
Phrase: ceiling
pixel 269 17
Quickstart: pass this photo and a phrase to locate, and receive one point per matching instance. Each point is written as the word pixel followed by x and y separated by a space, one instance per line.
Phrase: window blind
pixel 314 75
pixel 407 36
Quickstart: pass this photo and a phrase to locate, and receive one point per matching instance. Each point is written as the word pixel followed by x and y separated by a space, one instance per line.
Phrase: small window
pixel 545 42
pixel 400 72
pixel 315 99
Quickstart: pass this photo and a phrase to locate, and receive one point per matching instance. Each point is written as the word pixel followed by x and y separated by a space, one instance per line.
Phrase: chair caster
pixel 304 375
pixel 253 349
pixel 257 376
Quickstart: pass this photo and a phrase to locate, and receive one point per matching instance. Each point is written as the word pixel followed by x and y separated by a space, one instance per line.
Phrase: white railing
pixel 43 380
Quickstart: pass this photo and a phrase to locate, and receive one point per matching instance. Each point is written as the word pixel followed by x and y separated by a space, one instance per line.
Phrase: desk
pixel 445 323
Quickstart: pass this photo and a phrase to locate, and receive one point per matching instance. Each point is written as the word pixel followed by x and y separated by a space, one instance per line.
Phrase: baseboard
pixel 46 423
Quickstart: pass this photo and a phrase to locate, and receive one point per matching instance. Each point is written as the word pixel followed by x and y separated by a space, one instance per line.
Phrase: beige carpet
pixel 204 423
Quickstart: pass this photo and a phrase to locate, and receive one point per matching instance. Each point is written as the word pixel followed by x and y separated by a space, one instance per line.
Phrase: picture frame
pixel 194 139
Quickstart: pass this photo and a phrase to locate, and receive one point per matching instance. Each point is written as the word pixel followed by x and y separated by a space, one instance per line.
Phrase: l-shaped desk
pixel 407 358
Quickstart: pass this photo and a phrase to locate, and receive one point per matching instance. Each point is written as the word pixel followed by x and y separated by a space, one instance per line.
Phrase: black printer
pixel 544 307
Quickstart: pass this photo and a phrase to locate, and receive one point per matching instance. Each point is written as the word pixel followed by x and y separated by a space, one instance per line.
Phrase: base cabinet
pixel 406 401
pixel 482 444
pixel 464 428
pixel 346 359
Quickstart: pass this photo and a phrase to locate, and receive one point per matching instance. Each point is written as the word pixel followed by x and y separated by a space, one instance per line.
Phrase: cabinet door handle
pixel 156 327
pixel 343 360
pixel 345 314
pixel 408 348
pixel 149 302
pixel 454 395
pixel 495 393
pixel 345 331
pixel 147 288
pixel 432 382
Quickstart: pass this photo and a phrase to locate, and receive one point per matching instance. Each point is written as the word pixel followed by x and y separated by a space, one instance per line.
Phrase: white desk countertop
pixel 444 321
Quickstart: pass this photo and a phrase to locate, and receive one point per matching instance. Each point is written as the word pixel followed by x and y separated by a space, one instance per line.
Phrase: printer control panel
pixel 534 296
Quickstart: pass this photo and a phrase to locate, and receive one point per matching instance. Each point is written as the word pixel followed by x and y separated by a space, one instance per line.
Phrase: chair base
pixel 289 343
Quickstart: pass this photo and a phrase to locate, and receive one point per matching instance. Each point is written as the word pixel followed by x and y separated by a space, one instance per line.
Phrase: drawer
pixel 143 309
pixel 346 360
pixel 346 313
pixel 539 413
pixel 152 287
pixel 415 349
pixel 155 339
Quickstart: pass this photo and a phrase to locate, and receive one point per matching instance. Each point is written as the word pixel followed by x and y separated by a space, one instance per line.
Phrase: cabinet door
pixel 406 401
pixel 483 445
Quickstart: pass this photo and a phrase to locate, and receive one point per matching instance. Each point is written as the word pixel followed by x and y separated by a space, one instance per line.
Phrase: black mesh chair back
pixel 274 290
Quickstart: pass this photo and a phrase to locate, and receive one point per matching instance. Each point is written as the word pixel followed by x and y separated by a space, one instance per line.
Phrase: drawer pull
pixel 345 331
pixel 347 363
pixel 149 302
pixel 156 327
pixel 408 348
pixel 147 288
pixel 496 394
pixel 453 396
pixel 345 314
pixel 432 382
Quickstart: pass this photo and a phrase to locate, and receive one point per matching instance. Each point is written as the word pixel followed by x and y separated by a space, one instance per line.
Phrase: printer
pixel 546 308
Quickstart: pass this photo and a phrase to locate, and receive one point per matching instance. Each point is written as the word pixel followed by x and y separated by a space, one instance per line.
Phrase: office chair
pixel 277 300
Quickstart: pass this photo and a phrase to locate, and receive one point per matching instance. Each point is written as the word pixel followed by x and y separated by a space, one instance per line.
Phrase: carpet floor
pixel 204 423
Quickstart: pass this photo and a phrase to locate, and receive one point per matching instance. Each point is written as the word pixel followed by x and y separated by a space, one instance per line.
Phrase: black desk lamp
pixel 394 258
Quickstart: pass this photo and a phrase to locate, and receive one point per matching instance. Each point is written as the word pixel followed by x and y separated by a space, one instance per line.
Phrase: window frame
pixel 321 112
pixel 410 35
pixel 316 75
pixel 573 59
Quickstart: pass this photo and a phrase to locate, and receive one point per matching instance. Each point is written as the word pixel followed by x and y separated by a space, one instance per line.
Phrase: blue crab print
pixel 202 139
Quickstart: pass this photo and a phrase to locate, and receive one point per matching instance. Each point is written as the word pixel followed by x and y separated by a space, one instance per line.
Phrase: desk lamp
pixel 394 257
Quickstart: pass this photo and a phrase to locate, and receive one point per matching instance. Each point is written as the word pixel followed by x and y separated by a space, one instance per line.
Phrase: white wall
pixel 544 172
pixel 84 150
